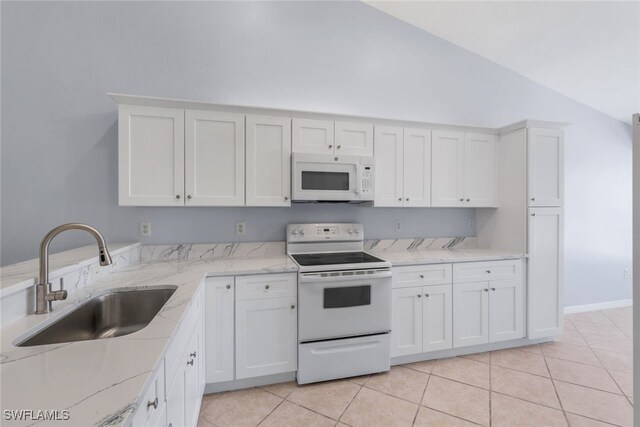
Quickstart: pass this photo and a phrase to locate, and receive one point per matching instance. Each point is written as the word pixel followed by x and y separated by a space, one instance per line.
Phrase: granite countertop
pixel 100 382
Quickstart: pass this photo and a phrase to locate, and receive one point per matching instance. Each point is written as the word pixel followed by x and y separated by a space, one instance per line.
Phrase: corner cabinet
pixel 403 167
pixel 268 145
pixel 463 169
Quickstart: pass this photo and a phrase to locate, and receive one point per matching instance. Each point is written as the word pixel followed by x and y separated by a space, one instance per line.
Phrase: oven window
pixel 351 296
pixel 313 180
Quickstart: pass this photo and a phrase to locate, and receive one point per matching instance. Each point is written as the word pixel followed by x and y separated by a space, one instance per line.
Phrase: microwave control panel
pixel 367 178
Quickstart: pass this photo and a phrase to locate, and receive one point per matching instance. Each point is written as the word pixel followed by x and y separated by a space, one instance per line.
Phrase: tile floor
pixel 582 379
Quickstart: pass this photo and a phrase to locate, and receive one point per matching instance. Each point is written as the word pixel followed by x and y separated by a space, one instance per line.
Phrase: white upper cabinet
pixel 403 166
pixel 268 161
pixel 354 139
pixel 546 167
pixel 389 166
pixel 545 273
pixel 150 156
pixel 463 169
pixel 312 136
pixel 214 159
pixel 479 169
pixel 417 167
pixel 447 162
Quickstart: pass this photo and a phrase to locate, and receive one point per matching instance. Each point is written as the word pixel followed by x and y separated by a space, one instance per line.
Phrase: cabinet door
pixel 219 318
pixel 214 152
pixel 389 158
pixel 354 139
pixel 506 321
pixel 437 318
pixel 406 318
pixel 479 170
pixel 312 136
pixel 416 167
pixel 546 166
pixel 545 273
pixel 470 313
pixel 175 400
pixel 447 155
pixel 192 392
pixel 150 156
pixel 268 161
pixel 266 337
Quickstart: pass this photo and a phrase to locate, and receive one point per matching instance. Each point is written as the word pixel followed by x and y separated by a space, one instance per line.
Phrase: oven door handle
pixel 316 277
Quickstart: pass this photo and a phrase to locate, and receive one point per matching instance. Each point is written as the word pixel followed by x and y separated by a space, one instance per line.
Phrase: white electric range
pixel 344 300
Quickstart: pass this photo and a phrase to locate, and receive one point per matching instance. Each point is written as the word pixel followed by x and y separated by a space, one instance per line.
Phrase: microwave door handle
pixel 358 176
pixel 313 277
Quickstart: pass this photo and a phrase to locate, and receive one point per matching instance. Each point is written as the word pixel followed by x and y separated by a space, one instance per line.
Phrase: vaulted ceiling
pixel 588 51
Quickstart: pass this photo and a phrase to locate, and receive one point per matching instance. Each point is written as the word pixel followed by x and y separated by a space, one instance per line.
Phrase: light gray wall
pixel 59 128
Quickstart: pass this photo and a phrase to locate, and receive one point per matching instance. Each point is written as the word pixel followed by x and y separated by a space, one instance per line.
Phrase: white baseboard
pixel 598 306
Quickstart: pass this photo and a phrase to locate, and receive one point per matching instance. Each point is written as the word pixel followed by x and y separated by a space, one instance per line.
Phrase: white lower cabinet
pixel 266 337
pixel 219 328
pixel 488 310
pixel 421 320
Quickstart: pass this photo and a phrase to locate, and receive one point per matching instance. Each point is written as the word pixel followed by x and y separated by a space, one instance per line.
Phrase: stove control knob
pixel 350 231
pixel 357 231
pixel 294 232
pixel 302 232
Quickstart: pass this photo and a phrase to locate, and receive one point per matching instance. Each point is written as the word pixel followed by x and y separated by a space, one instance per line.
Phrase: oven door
pixel 321 177
pixel 340 304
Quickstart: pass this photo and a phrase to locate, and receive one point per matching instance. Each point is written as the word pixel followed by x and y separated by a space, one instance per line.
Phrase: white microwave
pixel 332 178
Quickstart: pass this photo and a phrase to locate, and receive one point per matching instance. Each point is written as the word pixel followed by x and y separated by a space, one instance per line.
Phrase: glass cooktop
pixel 335 258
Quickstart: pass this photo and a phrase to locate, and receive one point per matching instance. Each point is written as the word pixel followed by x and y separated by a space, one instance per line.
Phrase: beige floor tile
pixel 291 415
pixel 329 399
pixel 372 408
pixel 595 404
pixel 624 381
pixel 599 329
pixel 572 336
pixel 281 389
pixel 479 357
pixel 425 366
pixel 460 400
pixel 524 386
pixel 574 353
pixel 615 361
pixel 534 348
pixel 463 370
pixel 591 317
pixel 202 422
pixel 241 408
pixel 400 382
pixel 509 412
pixel 627 330
pixel 430 418
pixel 520 361
pixel 616 345
pixel 581 374
pixel 580 421
pixel 359 380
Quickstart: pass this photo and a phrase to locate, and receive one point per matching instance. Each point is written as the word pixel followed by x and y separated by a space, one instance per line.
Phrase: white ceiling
pixel 588 51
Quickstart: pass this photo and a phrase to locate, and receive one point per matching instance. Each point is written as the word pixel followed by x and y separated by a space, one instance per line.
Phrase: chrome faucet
pixel 44 295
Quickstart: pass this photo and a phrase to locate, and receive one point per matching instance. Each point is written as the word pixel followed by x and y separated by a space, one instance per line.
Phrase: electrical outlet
pixel 625 273
pixel 398 225
pixel 145 229
pixel 240 228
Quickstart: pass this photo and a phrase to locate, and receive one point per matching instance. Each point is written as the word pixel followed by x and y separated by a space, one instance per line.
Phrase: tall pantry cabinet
pixel 530 190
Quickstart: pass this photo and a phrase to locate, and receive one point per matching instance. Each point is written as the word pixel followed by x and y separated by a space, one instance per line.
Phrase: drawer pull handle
pixel 533 214
pixel 266 286
pixel 533 199
pixel 228 286
pixel 426 295
pixel 338 146
pixel 399 199
pixel 468 200
pixel 422 276
pixel 486 290
pixel 190 362
pixel 286 198
pixel 178 196
pixel 488 271
pixel 462 200
pixel 153 403
pixel 193 354
pixel 292 306
pixel 330 147
pixel 493 289
pixel 419 296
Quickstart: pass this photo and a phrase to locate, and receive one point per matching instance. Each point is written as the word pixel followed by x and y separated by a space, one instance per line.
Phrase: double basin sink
pixel 113 314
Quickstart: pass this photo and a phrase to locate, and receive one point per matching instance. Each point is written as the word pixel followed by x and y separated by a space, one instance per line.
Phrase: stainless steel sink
pixel 110 315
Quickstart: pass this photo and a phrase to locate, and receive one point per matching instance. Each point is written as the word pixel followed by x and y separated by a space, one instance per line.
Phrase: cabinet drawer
pixel 486 270
pixel 147 414
pixel 421 275
pixel 266 286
